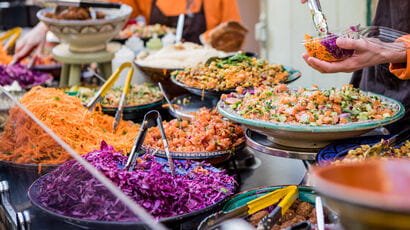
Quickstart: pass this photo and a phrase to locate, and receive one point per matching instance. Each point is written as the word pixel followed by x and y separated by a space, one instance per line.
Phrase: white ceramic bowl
pixel 88 35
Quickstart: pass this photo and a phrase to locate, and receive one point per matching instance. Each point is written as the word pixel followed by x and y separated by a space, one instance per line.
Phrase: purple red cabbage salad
pixel 25 77
pixel 71 191
pixel 330 43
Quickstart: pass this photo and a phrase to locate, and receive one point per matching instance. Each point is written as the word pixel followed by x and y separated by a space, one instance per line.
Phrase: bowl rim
pixel 353 126
pixel 127 10
pixel 365 198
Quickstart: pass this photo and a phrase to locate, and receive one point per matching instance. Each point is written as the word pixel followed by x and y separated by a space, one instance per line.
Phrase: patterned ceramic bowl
pixel 88 35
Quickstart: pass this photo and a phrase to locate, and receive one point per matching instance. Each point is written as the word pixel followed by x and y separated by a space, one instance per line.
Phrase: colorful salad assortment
pixel 138 95
pixel 144 32
pixel 207 132
pixel 313 107
pixel 359 154
pixel 325 48
pixel 236 72
pixel 71 190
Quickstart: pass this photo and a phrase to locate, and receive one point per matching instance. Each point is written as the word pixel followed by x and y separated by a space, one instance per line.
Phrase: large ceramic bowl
pixel 88 35
pixel 293 76
pixel 307 136
pixel 367 195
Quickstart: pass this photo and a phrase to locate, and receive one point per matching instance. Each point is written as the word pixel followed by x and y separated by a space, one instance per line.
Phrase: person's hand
pixel 366 54
pixel 35 39
pixel 303 1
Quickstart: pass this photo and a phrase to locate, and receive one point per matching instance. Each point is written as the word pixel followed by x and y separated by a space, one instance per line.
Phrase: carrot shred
pixel 23 141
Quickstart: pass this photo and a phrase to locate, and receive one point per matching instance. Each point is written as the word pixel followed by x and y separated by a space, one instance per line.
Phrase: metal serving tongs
pixel 11 35
pixel 284 194
pixel 384 145
pixel 319 19
pixel 108 85
pixel 136 149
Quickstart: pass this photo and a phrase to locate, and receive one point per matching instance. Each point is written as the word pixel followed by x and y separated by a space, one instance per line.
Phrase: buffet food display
pixel 23 141
pixel 206 132
pixel 196 186
pixel 360 154
pixel 138 95
pixel 71 155
pixel 178 56
pixel 313 107
pixel 236 72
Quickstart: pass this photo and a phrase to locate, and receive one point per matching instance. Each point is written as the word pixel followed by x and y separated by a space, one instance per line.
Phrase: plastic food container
pixel 325 48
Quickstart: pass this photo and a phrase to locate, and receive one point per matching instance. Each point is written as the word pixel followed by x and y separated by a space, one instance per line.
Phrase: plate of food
pixel 173 205
pixel 310 118
pixel 205 137
pixel 354 150
pixel 236 72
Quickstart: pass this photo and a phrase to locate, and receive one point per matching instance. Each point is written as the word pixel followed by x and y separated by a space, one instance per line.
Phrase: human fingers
pixel 311 64
pixel 24 51
pixel 349 65
pixel 303 1
pixel 352 44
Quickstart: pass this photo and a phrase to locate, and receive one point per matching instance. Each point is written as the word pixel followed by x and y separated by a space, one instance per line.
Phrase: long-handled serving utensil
pixel 125 90
pixel 319 19
pixel 136 149
pixel 107 86
pixel 250 208
pixel 273 217
pixel 320 217
pixel 171 106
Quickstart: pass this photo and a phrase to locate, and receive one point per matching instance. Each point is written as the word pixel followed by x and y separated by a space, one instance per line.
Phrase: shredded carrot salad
pixel 205 133
pixel 315 49
pixel 23 141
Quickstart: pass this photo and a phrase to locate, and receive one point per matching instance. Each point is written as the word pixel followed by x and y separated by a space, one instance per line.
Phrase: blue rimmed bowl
pixel 308 136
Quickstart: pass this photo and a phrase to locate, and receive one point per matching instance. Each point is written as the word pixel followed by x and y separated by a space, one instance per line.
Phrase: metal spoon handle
pixel 171 107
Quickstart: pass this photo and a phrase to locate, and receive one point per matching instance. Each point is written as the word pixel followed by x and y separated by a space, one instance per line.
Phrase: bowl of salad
pixel 236 72
pixel 309 118
pixel 207 136
pixel 140 99
pixel 324 47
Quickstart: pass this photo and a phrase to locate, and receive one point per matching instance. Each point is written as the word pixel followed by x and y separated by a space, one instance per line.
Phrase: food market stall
pixel 227 140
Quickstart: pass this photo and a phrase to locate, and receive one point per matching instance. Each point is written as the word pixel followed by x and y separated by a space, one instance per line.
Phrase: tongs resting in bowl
pixel 152 115
pixel 108 85
pixel 286 195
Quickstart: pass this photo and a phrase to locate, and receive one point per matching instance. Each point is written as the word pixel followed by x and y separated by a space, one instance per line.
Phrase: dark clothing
pixel 378 79
pixel 194 24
